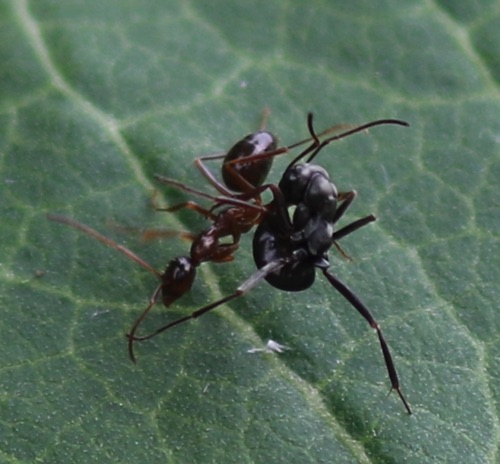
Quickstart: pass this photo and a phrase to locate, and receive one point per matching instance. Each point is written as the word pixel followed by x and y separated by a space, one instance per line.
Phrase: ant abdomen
pixel 239 176
pixel 269 246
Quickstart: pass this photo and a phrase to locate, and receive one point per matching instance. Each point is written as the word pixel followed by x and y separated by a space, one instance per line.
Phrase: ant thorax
pixel 308 187
pixel 307 183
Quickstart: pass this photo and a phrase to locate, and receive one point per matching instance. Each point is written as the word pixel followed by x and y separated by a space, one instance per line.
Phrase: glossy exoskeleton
pixel 231 215
pixel 298 246
pixel 287 251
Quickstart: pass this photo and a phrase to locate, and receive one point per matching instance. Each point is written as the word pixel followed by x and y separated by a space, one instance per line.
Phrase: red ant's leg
pixel 219 186
pixel 189 205
pixel 222 200
pixel 176 280
pixel 153 234
pixel 105 240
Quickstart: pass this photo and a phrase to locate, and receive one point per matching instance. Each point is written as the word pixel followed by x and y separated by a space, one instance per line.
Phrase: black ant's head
pixel 296 181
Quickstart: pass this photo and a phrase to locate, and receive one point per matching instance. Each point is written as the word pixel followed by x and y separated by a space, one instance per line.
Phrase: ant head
pixel 296 181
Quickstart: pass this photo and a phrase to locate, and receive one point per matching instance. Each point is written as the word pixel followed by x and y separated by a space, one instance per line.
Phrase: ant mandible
pixel 286 250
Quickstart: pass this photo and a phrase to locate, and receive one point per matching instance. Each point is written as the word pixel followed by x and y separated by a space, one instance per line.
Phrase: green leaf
pixel 97 97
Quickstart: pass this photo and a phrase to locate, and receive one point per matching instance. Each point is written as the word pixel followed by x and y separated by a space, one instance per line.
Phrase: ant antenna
pixel 317 146
pixel 310 126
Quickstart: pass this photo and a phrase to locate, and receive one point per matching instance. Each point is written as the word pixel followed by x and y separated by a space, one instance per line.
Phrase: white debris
pixel 271 347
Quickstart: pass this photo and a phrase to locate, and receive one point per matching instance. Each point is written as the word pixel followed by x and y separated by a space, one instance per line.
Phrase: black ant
pixel 286 250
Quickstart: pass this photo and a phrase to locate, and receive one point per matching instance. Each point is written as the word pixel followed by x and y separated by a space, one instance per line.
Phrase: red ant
pixel 286 251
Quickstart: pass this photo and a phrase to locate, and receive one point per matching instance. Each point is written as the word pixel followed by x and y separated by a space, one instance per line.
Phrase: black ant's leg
pixel 347 293
pixel 348 229
pixel 246 286
pixel 353 226
pixel 347 198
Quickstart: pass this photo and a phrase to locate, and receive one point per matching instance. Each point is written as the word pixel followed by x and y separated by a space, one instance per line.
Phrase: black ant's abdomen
pixel 269 245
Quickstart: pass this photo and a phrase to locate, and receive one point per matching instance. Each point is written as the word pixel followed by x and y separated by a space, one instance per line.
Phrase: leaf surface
pixel 97 97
